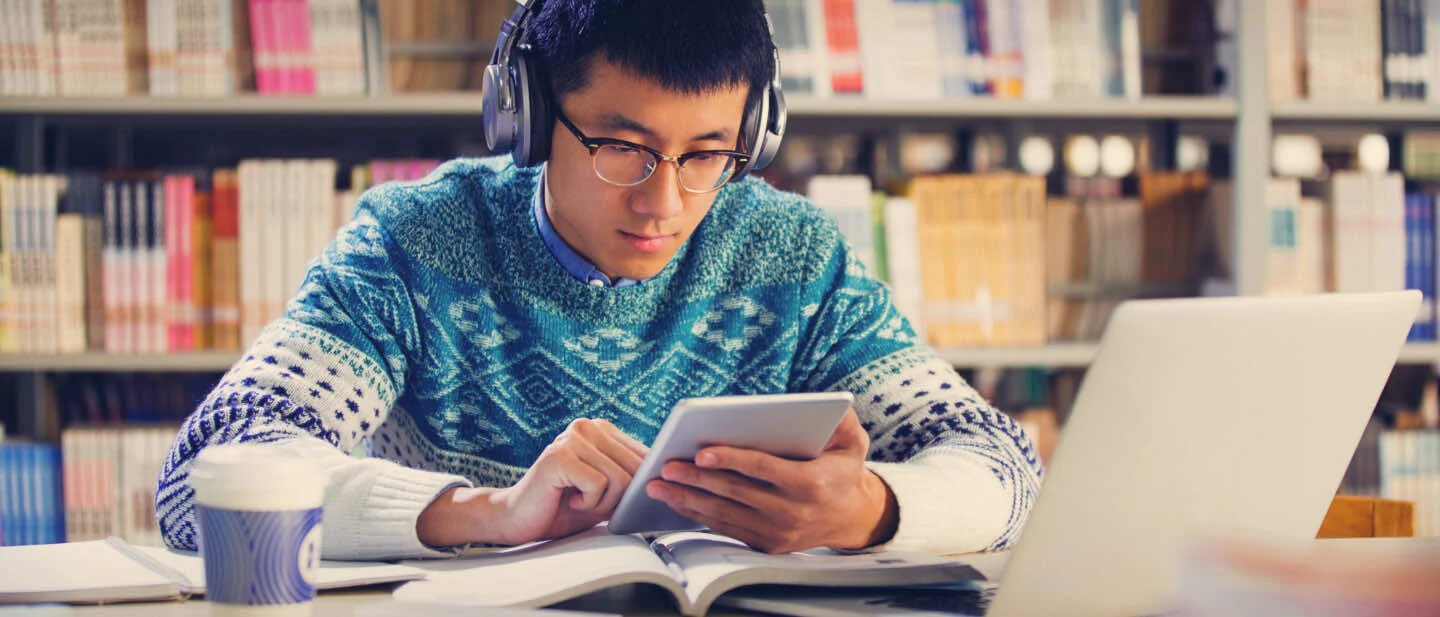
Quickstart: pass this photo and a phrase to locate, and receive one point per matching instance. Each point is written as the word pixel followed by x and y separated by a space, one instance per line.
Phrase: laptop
pixel 1230 417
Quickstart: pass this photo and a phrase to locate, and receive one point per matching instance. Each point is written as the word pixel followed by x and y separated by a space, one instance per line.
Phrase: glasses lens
pixel 623 165
pixel 706 172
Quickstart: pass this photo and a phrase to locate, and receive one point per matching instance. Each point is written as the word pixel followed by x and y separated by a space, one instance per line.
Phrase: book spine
pixel 261 54
pixel 201 267
pixel 375 51
pixel 128 283
pixel 842 35
pixel 70 281
pixel 25 243
pixel 185 264
pixel 49 189
pixel 1427 267
pixel 7 261
pixel 1412 256
pixel 27 494
pixel 110 268
pixel 94 266
pixel 7 498
pixel 156 255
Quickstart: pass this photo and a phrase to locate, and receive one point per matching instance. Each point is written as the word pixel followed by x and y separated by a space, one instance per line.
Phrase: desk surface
pixel 643 600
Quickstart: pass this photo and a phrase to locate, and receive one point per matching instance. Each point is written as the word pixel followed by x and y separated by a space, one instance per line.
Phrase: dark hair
pixel 687 46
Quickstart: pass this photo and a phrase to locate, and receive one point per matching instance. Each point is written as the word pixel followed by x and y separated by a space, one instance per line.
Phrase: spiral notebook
pixel 111 570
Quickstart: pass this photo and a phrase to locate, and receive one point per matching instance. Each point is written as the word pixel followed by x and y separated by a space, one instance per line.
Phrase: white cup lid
pixel 256 476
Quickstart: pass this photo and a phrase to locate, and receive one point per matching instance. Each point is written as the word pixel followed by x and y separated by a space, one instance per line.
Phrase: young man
pixel 503 340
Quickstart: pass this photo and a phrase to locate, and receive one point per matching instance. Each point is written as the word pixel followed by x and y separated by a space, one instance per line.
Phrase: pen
pixel 669 558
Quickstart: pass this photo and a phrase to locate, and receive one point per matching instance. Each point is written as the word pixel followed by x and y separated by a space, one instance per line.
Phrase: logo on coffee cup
pixel 309 556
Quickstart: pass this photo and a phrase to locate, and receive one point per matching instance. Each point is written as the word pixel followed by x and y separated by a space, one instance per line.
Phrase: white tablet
pixel 794 426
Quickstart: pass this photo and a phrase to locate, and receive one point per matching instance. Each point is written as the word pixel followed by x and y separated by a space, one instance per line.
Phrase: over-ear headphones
pixel 516 102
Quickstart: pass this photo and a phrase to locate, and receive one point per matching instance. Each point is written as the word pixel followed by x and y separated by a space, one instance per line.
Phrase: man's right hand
pixel 576 483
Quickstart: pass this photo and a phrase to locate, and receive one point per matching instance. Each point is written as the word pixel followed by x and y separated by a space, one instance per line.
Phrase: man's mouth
pixel 647 243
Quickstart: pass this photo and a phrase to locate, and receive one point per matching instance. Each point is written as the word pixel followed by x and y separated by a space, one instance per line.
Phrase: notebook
pixel 111 570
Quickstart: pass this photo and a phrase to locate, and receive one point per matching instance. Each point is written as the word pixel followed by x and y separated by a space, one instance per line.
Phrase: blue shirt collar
pixel 574 263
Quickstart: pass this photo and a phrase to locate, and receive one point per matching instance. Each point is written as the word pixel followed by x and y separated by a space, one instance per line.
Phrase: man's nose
pixel 661 195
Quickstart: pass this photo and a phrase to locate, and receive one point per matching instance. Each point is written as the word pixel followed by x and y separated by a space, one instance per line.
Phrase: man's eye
pixel 704 157
pixel 625 149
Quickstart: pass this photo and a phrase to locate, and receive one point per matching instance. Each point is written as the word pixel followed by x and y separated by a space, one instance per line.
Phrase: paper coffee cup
pixel 257 510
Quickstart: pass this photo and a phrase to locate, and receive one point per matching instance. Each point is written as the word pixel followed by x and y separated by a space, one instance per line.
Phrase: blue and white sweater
pixel 438 334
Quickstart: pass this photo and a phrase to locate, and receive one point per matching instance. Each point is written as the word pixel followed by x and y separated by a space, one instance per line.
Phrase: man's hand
pixel 576 483
pixel 779 505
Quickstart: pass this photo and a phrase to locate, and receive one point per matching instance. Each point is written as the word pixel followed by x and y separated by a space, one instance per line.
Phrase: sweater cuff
pixel 380 525
pixel 949 503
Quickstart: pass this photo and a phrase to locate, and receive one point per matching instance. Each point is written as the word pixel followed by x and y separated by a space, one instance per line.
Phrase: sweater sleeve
pixel 320 380
pixel 964 474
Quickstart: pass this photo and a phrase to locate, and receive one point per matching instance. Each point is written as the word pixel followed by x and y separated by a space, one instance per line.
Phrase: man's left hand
pixel 779 505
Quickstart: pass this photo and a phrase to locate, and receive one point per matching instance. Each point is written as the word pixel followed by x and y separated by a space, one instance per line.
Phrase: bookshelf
pixel 1250 114
pixel 37 131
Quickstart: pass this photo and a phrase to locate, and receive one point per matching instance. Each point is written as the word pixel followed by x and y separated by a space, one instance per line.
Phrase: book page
pixel 715 564
pixel 539 574
pixel 331 575
pixel 94 571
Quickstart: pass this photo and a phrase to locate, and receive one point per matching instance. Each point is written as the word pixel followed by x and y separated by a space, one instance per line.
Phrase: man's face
pixel 633 231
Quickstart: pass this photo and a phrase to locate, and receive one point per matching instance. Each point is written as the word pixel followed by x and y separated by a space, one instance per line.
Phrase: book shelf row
pixel 1008 49
pixel 1348 50
pixel 1320 50
pixel 206 48
pixel 151 262
pixel 155 262
pixel 98 479
pixel 95 477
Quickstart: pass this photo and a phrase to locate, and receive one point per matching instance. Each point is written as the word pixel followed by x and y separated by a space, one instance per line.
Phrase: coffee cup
pixel 257 513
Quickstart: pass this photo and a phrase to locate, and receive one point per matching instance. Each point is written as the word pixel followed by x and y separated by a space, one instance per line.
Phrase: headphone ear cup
pixel 772 128
pixel 532 140
pixel 497 123
pixel 752 129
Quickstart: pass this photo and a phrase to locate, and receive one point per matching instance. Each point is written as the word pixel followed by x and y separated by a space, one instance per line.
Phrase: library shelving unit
pixel 28 121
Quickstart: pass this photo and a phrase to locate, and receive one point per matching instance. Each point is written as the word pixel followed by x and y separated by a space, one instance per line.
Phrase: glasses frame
pixel 593 144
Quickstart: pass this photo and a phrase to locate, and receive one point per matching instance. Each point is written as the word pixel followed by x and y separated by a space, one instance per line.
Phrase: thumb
pixel 849 435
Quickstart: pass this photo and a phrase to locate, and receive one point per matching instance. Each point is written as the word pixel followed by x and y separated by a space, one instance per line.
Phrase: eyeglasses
pixel 624 163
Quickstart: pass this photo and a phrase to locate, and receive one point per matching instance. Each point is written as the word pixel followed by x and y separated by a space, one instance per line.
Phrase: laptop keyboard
pixel 954 601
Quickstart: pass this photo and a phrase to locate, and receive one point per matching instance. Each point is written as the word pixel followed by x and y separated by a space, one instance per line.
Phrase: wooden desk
pixel 645 600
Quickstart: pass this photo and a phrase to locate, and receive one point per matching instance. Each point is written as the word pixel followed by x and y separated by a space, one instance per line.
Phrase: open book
pixel 695 567
pixel 104 571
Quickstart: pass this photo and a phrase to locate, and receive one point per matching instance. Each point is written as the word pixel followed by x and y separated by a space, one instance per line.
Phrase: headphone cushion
pixel 536 121
pixel 752 128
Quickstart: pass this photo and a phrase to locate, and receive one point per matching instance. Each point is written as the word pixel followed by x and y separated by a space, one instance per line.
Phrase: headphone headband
pixel 516 102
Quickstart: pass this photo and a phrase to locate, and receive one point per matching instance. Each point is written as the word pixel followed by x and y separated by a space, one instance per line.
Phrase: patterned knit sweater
pixel 438 335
